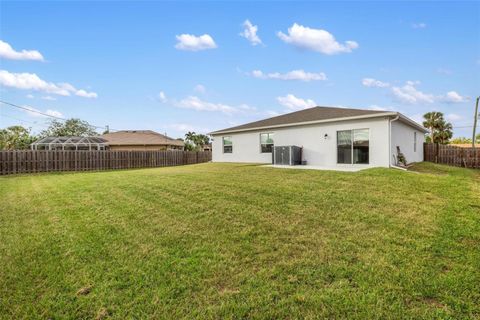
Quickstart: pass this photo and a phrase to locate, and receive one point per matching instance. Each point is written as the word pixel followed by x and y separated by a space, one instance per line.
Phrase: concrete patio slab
pixel 309 167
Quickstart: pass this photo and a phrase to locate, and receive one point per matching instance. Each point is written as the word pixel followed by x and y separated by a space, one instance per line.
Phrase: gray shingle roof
pixel 306 115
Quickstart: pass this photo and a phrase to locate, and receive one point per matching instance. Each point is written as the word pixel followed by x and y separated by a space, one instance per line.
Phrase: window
pixel 415 141
pixel 227 145
pixel 353 146
pixel 266 142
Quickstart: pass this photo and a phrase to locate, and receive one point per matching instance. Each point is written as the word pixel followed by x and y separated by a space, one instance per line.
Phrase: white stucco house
pixel 329 137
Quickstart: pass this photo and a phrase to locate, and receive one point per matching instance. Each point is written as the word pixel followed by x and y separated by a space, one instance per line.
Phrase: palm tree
pixel 190 136
pixel 201 140
pixel 433 121
pixel 444 132
pixel 196 141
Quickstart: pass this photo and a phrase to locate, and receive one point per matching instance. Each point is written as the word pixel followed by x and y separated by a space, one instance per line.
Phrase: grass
pixel 241 241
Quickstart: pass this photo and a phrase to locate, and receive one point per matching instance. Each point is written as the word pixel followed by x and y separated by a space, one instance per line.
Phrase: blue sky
pixel 173 67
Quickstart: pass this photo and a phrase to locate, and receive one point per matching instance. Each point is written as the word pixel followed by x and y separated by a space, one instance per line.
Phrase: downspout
pixel 390 140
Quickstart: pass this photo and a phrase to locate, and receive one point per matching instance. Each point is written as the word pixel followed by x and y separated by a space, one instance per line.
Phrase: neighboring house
pixel 463 145
pixel 135 140
pixel 207 147
pixel 330 137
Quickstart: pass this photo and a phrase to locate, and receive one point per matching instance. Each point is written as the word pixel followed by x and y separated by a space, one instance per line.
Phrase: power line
pixel 32 110
pixel 25 121
pixel 46 114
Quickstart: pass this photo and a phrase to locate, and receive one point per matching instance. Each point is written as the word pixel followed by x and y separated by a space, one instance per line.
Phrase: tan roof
pixel 462 145
pixel 306 115
pixel 139 137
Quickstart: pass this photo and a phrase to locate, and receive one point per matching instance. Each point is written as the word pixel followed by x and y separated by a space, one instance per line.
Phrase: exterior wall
pixel 317 149
pixel 143 148
pixel 403 136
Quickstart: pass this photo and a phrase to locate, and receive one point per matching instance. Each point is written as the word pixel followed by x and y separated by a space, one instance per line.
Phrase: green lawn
pixel 241 241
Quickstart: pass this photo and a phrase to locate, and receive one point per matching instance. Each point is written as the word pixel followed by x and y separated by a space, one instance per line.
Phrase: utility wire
pixel 25 121
pixel 31 110
pixel 46 114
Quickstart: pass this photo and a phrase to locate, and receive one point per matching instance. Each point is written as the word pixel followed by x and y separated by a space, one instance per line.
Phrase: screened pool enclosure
pixel 70 143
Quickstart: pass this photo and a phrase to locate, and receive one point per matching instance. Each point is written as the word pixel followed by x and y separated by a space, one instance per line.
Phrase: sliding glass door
pixel 344 146
pixel 353 146
pixel 360 146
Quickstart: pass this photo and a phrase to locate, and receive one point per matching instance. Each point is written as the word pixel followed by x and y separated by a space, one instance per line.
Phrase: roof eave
pixel 367 116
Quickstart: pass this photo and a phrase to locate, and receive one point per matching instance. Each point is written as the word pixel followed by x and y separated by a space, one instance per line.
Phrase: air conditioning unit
pixel 287 155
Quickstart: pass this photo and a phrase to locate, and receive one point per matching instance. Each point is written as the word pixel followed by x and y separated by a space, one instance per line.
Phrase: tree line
pixel 195 141
pixel 441 131
pixel 19 138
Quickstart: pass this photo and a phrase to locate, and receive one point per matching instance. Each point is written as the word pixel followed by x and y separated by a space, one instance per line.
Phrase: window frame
pixel 352 146
pixel 415 141
pixel 266 144
pixel 228 145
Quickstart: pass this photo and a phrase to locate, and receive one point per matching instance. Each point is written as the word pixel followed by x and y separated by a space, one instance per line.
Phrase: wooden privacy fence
pixel 452 155
pixel 31 161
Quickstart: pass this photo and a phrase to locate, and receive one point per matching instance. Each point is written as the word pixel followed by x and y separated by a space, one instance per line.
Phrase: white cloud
pixel 196 103
pixel 7 52
pixel 370 82
pixel 258 74
pixel 85 94
pixel 300 75
pixel 293 103
pixel 162 96
pixel 315 39
pixel 410 94
pixel 54 113
pixel 50 98
pixel 250 33
pixel 30 96
pixel 67 86
pixel 35 112
pixel 453 97
pixel 200 88
pixel 419 25
pixel 453 117
pixel 30 81
pixel 190 42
